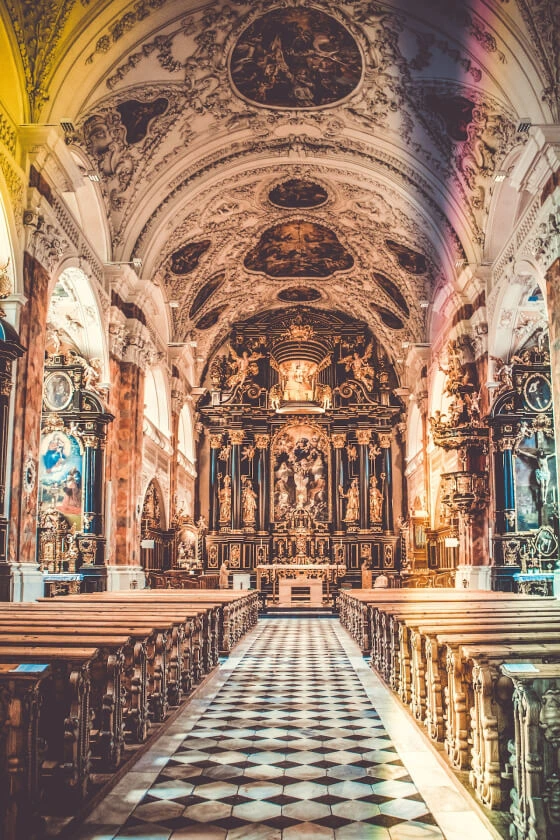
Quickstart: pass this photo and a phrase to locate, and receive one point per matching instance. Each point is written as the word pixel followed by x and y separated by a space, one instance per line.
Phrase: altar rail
pixel 82 676
pixel 453 658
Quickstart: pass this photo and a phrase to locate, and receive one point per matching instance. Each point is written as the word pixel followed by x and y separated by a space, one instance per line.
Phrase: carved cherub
pixel 91 370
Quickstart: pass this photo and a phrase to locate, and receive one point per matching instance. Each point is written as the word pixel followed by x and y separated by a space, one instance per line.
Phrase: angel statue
pixel 503 374
pixel 360 367
pixel 242 367
pixel 91 370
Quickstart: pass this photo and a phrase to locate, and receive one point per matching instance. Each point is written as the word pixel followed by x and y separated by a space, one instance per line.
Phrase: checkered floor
pixel 290 748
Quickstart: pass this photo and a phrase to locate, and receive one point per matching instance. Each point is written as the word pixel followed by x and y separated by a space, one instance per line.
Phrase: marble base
pixel 21 582
pixel 473 577
pixel 122 578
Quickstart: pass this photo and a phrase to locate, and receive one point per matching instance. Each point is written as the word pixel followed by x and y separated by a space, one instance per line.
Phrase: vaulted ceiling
pixel 254 154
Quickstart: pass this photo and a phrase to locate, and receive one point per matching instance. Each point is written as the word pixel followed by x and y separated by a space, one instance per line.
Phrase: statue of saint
pixel 375 501
pixel 248 502
pixel 352 497
pixel 224 576
pixel 224 498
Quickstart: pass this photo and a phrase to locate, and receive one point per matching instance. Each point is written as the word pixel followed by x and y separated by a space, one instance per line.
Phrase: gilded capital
pixel 505 443
pixel 236 436
pixel 215 441
pixel 363 436
pixel 338 440
pixel 262 441
pixel 385 441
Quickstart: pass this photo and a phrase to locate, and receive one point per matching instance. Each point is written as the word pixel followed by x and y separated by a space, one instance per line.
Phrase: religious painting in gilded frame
pixel 58 391
pixel 300 455
pixel 60 476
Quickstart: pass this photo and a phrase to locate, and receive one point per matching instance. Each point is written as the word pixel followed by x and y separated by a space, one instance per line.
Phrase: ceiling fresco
pixel 298 194
pixel 186 259
pixel 299 294
pixel 210 125
pixel 299 249
pixel 296 58
pixel 206 292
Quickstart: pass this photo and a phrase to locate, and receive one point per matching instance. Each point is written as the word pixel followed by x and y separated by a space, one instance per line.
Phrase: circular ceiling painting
pixel 299 294
pixel 296 58
pixel 298 194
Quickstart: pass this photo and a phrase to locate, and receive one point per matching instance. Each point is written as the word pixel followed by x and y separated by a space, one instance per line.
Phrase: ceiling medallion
pixel 389 318
pixel 299 249
pixel 298 194
pixel 296 58
pixel 211 318
pixel 299 294
pixel 187 258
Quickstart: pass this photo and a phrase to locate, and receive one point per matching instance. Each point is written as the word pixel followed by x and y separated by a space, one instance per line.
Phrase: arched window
pixel 156 406
pixel 185 441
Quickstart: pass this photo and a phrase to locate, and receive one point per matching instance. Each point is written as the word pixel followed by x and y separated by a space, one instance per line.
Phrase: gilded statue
pixel 242 366
pixel 352 497
pixel 360 367
pixel 224 498
pixel 375 501
pixel 248 502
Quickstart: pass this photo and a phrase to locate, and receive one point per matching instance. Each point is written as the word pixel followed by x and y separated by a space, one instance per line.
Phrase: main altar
pixel 299 426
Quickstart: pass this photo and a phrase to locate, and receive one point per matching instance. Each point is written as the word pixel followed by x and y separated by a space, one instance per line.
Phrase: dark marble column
pixel 338 442
pixel 215 446
pixel 236 439
pixel 263 518
pixel 363 437
pixel 387 478
pixel 504 484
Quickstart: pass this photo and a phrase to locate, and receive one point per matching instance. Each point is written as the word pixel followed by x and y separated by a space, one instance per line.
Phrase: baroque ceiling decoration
pixel 210 126
pixel 299 248
pixel 295 58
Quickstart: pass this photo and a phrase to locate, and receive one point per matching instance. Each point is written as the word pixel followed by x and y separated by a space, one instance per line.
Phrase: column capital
pixel 505 443
pixel 262 441
pixel 363 436
pixel 385 440
pixel 216 441
pixel 338 440
pixel 236 436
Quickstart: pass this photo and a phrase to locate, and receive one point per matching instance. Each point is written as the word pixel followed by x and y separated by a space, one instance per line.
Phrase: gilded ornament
pixel 262 441
pixel 216 441
pixel 338 440
pixel 363 436
pixel 236 436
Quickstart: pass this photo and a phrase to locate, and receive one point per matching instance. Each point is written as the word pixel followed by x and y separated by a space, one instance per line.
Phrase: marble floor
pixel 293 737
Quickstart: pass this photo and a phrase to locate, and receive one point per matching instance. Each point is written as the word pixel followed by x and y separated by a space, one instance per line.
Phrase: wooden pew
pixel 534 756
pixel 21 688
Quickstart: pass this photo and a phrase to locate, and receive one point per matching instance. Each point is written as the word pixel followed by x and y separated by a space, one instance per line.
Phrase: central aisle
pixel 285 743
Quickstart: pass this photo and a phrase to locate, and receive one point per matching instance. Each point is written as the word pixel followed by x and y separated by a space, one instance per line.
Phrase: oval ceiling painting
pixel 408 259
pixel 299 294
pixel 211 317
pixel 186 258
pixel 389 318
pixel 299 249
pixel 298 194
pixel 391 289
pixel 205 293
pixel 296 58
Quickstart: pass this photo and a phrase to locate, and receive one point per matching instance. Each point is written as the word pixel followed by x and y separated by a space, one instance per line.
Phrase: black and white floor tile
pixel 287 747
